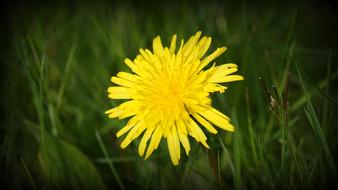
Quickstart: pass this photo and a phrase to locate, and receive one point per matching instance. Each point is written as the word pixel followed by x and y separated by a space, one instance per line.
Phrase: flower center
pixel 169 97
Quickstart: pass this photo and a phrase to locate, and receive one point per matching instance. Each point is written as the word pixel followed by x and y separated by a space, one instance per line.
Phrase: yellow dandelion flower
pixel 168 95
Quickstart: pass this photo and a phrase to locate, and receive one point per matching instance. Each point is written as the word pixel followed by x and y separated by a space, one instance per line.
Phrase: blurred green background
pixel 58 57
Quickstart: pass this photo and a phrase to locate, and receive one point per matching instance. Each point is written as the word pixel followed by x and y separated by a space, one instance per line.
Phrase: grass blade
pixel 314 122
pixel 28 173
pixel 110 164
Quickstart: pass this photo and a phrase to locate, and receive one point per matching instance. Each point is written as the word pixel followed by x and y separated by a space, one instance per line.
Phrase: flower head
pixel 168 95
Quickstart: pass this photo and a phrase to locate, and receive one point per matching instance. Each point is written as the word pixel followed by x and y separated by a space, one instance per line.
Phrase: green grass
pixel 56 136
